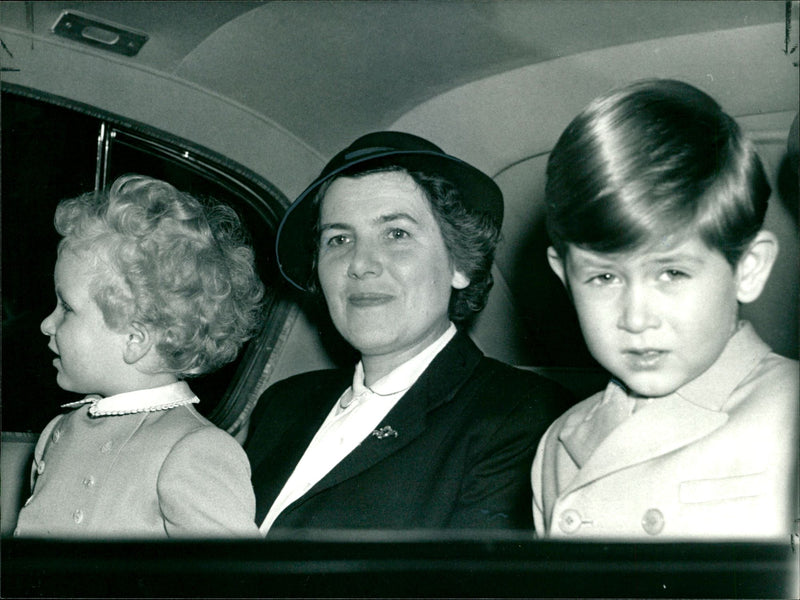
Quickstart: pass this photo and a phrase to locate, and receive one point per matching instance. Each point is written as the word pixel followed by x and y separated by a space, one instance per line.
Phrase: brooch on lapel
pixel 384 432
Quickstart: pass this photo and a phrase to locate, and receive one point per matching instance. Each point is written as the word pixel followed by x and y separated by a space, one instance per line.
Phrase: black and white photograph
pixel 400 299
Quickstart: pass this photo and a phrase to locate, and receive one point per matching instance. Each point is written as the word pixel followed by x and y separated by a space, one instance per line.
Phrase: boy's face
pixel 89 354
pixel 655 318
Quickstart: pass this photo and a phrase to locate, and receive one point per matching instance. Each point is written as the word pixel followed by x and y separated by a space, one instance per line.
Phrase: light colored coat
pixel 715 460
pixel 164 473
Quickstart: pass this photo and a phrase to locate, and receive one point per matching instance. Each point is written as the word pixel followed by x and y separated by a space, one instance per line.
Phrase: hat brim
pixel 294 245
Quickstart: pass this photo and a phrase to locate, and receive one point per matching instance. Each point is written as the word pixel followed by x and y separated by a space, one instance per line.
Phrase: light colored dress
pixel 139 464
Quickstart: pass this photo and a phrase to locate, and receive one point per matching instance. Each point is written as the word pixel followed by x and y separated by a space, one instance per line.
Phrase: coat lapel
pixel 666 425
pixel 677 420
pixel 409 418
pixel 279 448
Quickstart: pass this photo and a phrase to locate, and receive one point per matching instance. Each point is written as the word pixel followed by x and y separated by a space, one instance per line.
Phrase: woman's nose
pixel 365 261
pixel 638 311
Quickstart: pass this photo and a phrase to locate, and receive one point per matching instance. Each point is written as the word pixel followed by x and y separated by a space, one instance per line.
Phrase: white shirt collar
pixel 404 376
pixel 147 400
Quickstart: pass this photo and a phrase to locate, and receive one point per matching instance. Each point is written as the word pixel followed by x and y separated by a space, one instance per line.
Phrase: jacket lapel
pixel 677 420
pixel 278 450
pixel 437 385
pixel 666 425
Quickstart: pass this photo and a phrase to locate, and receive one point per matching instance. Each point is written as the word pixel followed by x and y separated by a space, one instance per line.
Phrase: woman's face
pixel 383 267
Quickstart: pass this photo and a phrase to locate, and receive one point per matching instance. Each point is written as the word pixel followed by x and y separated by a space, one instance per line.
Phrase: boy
pixel 655 207
pixel 152 287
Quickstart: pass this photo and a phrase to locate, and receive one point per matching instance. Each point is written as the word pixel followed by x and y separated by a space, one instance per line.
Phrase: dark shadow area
pixel 553 335
pixel 398 565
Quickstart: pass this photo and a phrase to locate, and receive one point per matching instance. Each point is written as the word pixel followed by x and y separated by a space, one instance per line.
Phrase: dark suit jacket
pixel 467 431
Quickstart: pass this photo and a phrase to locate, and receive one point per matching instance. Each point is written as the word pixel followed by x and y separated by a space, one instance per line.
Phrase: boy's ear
pixel 137 343
pixel 755 265
pixel 557 264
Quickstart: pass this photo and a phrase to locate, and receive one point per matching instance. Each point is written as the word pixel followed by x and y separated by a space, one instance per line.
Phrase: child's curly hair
pixel 180 267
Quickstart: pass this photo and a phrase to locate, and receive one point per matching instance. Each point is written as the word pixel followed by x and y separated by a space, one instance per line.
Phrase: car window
pixel 51 152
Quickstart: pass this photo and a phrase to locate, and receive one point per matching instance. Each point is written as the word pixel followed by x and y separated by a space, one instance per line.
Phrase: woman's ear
pixel 557 264
pixel 755 265
pixel 459 281
pixel 137 343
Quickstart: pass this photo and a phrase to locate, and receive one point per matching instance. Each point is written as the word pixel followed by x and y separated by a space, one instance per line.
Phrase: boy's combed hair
pixel 651 159
pixel 163 259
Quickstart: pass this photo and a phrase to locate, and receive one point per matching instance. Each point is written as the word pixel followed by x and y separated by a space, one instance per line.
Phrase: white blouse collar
pixel 137 401
pixel 405 375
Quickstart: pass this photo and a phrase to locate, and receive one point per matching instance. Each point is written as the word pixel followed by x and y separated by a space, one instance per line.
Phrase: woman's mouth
pixel 365 300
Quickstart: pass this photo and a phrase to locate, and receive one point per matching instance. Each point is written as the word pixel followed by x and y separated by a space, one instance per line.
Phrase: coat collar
pixel 743 352
pixel 674 421
pixel 664 426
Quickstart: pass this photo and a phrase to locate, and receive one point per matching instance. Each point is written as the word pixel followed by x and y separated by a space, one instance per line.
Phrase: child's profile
pixel 655 209
pixel 152 287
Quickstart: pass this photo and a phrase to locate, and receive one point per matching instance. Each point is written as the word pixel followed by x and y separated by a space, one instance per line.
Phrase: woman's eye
pixel 336 240
pixel 65 307
pixel 398 234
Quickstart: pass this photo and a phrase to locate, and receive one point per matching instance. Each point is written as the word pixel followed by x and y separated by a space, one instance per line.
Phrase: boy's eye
pixel 603 279
pixel 64 306
pixel 672 275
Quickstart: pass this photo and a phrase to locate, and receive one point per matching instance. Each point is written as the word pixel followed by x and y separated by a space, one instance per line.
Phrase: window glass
pixel 50 153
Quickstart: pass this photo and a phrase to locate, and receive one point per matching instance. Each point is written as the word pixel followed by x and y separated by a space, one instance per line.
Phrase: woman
pixel 425 433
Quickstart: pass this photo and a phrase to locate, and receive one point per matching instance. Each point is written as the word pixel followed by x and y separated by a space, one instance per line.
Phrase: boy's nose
pixel 638 312
pixel 365 261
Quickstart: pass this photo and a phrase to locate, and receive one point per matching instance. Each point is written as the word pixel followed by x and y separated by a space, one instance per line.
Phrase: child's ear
pixel 755 265
pixel 557 264
pixel 137 343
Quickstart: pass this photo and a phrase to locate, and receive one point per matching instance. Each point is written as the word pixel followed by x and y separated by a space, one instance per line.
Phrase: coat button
pixel 40 467
pixel 653 521
pixel 106 448
pixel 570 521
pixel 88 481
pixel 77 516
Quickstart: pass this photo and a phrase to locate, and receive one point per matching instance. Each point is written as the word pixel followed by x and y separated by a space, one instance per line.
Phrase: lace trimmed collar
pixel 138 401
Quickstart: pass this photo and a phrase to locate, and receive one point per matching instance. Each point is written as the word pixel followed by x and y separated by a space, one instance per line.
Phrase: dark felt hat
pixel 294 245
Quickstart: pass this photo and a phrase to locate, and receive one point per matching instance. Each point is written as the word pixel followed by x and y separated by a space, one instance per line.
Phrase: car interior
pixel 246 101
